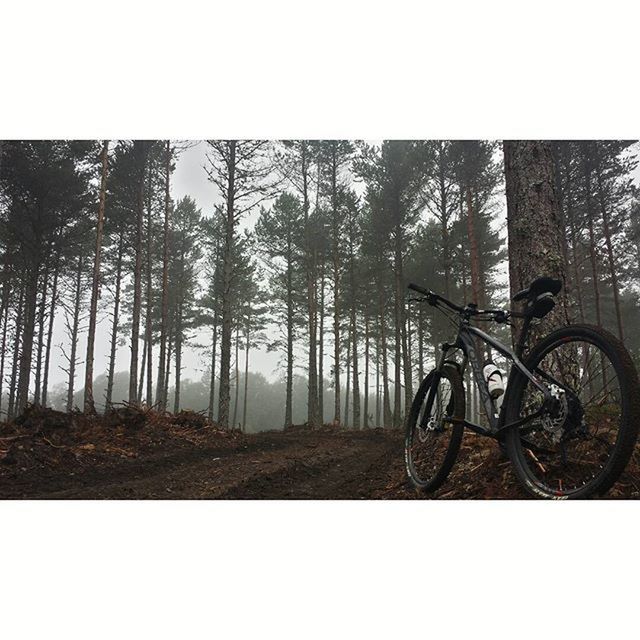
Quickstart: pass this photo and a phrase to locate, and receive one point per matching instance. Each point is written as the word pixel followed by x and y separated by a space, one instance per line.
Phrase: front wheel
pixel 431 442
pixel 580 445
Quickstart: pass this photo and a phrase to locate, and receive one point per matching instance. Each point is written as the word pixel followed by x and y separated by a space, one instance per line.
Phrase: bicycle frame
pixel 465 342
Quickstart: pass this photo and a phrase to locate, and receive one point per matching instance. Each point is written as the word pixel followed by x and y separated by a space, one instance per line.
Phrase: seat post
pixel 522 338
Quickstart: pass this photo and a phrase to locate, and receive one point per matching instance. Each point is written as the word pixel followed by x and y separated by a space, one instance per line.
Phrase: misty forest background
pixel 91 238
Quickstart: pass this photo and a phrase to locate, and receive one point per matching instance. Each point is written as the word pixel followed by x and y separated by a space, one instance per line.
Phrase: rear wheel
pixel 581 446
pixel 431 442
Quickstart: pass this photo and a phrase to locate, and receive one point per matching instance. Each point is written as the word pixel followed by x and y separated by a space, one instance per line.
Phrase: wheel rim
pixel 569 449
pixel 429 436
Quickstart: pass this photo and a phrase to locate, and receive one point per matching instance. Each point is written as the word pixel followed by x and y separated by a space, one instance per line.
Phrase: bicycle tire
pixel 455 431
pixel 629 421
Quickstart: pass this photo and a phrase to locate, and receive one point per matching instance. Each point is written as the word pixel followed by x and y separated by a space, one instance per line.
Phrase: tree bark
pixel 532 213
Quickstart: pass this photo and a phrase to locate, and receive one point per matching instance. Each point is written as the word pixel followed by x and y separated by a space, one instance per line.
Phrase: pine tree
pixel 242 172
pixel 186 252
pixel 279 240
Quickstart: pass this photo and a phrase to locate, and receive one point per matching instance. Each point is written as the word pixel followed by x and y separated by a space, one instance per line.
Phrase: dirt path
pixel 296 464
pixel 293 465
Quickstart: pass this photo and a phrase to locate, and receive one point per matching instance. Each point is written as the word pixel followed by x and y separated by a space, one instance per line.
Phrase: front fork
pixel 437 376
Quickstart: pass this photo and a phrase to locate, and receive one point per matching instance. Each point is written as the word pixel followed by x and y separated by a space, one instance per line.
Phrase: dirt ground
pixel 142 455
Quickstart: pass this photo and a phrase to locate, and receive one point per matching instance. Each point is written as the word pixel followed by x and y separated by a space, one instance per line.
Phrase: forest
pixel 305 252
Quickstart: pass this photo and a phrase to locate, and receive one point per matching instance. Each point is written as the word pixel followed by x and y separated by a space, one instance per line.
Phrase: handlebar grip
pixel 419 289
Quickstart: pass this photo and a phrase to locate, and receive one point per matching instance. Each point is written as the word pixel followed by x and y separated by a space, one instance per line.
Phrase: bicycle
pixel 570 411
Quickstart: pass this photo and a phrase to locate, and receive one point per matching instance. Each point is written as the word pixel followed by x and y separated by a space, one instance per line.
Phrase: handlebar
pixel 470 310
pixel 434 298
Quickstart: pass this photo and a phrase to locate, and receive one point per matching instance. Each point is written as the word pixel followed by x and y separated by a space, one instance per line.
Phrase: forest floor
pixel 141 454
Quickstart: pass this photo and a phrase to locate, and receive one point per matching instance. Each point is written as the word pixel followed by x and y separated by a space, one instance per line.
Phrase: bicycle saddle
pixel 538 287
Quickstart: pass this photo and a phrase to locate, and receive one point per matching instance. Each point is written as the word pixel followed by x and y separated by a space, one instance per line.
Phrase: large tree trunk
pixel 227 267
pixel 532 215
pixel 160 398
pixel 89 405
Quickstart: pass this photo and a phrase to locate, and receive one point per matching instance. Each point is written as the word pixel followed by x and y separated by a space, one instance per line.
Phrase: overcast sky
pixel 190 179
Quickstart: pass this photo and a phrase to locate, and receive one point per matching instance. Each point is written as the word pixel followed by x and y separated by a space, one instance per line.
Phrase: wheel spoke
pixel 567 450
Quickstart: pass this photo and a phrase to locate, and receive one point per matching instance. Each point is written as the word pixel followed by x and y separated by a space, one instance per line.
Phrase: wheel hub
pixel 554 422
